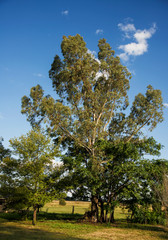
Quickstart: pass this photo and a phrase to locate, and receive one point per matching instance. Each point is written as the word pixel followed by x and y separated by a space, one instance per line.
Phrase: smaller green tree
pixel 26 181
pixel 149 190
pixel 159 178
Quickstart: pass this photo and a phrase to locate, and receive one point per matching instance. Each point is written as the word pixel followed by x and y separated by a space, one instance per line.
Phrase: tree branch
pixel 133 134
pixel 101 112
pixel 74 138
pixel 111 114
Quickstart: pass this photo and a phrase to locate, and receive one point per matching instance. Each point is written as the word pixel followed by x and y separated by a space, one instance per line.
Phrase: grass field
pixel 54 207
pixel 71 228
pixel 79 208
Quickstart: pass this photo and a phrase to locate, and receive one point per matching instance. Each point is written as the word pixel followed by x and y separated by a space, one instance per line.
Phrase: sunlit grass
pixel 79 208
pixel 73 230
pixel 58 222
pixel 54 207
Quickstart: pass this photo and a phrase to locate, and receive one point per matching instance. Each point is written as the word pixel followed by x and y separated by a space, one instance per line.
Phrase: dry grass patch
pixel 126 234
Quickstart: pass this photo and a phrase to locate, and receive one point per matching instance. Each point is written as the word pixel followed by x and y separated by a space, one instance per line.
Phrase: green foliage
pixel 10 216
pixel 62 202
pixel 25 181
pixel 92 99
pixel 3 151
pixel 81 81
pixel 145 199
pixel 91 120
pixel 146 216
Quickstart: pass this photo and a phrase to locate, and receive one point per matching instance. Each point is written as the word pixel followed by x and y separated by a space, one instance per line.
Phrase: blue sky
pixel 31 33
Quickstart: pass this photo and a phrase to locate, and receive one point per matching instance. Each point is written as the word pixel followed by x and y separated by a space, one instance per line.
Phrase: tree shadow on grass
pixel 162 232
pixel 13 216
pixel 59 216
pixel 163 236
pixel 12 232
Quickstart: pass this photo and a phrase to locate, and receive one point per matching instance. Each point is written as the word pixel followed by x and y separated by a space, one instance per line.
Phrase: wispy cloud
pixel 166 105
pixel 99 31
pixel 124 57
pixel 139 45
pixel 128 29
pixel 132 71
pixel 65 12
pixel 40 75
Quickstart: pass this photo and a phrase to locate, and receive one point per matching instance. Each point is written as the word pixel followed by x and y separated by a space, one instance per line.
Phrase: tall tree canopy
pixel 92 107
pixel 92 96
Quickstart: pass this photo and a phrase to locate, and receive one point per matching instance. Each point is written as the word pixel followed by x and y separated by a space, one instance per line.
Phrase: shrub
pixel 62 202
pixel 145 215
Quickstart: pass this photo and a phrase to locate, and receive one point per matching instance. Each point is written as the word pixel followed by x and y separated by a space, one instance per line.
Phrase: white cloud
pixel 124 57
pixel 134 49
pixel 99 31
pixel 66 12
pixel 40 75
pixel 166 105
pixel 104 74
pixel 139 45
pixel 128 29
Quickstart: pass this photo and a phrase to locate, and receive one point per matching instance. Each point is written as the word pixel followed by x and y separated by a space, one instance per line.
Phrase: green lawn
pixel 59 223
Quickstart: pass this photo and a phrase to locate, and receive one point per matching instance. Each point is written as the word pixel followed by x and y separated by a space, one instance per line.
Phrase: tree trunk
pixel 102 211
pixel 111 219
pixel 97 213
pixel 34 216
pixel 27 213
pixel 106 217
pixel 94 209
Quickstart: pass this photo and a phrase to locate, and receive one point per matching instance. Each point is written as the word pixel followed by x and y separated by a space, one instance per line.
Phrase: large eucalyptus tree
pixel 91 104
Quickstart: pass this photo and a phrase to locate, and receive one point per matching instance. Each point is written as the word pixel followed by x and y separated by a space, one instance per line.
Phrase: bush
pixel 18 216
pixel 62 202
pixel 144 215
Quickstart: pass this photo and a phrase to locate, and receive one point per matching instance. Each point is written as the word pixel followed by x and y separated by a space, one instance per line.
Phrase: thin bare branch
pixel 135 132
